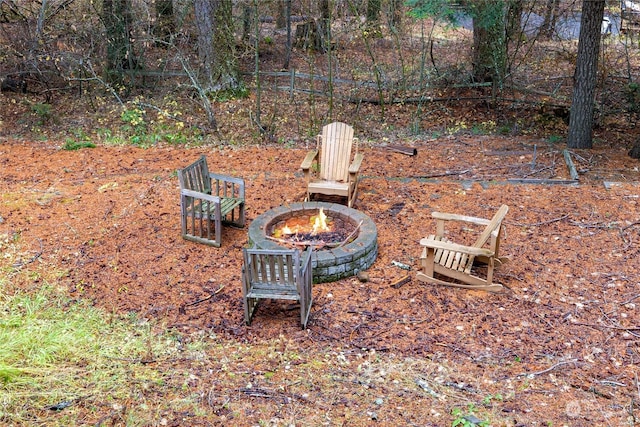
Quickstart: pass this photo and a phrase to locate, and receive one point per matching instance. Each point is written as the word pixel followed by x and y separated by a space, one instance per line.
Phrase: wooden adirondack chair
pixel 284 274
pixel 337 174
pixel 455 261
pixel 208 200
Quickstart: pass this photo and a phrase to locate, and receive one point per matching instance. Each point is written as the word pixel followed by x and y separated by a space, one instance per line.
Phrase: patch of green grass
pixel 55 350
pixel 72 145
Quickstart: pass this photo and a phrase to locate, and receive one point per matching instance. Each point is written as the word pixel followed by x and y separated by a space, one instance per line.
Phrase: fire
pixel 305 224
pixel 320 223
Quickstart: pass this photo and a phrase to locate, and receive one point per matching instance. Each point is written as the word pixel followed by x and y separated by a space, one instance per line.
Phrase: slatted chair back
pixel 284 274
pixel 336 143
pixel 196 176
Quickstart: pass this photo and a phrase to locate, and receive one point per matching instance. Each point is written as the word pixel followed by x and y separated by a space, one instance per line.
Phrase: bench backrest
pixel 196 176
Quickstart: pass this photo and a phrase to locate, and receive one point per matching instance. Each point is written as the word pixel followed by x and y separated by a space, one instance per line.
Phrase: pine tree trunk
pixel 584 79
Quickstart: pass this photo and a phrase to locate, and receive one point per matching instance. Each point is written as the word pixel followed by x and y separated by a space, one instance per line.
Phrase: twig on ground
pixel 19 264
pixel 205 298
pixel 630 299
pixel 549 369
pixel 536 224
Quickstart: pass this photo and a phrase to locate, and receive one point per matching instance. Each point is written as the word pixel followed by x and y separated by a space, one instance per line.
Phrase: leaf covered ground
pixel 560 347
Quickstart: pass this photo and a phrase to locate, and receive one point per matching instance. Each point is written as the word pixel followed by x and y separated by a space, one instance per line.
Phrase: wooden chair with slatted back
pixel 337 174
pixel 455 262
pixel 207 201
pixel 282 274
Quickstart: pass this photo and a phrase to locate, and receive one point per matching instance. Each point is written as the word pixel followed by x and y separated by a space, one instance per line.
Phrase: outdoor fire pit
pixel 344 240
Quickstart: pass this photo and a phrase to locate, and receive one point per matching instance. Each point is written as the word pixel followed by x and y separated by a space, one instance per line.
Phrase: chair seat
pixel 226 205
pixel 329 187
pixel 280 274
pixel 269 290
pixel 337 168
pixel 208 200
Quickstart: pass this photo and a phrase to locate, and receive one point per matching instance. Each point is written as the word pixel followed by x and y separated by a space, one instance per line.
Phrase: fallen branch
pixel 438 175
pixel 535 224
pixel 549 369
pixel 205 298
pixel 409 151
pixel 319 244
pixel 572 169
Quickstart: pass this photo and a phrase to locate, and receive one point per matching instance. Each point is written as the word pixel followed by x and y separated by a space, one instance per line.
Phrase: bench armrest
pixel 199 195
pixel 308 160
pixel 454 247
pixel 355 165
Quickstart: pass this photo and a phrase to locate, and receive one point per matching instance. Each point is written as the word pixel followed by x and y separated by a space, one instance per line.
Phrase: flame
pixel 320 223
pixel 286 230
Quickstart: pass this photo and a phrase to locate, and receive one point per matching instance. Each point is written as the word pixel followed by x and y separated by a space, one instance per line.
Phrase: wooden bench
pixel 284 274
pixel 207 201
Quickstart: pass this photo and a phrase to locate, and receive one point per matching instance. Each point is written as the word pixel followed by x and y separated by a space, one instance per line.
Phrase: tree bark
pixel 216 44
pixel 584 78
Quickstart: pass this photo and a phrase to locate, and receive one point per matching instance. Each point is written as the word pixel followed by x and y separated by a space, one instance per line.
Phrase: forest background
pixel 251 71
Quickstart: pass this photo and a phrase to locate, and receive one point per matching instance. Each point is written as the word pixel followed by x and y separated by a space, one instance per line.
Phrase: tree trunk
pixel 287 56
pixel 548 26
pixel 584 78
pixel 117 21
pixel 281 15
pixel 489 41
pixel 216 44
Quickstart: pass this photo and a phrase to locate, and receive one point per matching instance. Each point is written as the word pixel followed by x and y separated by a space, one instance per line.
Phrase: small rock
pixel 363 276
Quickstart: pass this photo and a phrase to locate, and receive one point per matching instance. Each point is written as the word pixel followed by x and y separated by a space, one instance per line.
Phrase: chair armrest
pixel 308 160
pixel 448 246
pixel 357 161
pixel 199 195
pixel 226 178
pixel 455 217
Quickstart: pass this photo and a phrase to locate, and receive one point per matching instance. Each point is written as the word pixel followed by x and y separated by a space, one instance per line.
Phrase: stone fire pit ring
pixel 329 264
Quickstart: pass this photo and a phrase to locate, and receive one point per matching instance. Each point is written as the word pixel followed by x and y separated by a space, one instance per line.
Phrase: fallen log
pixel 401 281
pixel 409 151
pixel 570 165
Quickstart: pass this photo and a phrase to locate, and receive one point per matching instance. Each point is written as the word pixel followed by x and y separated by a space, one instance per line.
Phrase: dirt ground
pixel 564 337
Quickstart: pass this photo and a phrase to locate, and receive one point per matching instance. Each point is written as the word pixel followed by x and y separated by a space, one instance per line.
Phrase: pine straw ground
pixel 560 347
